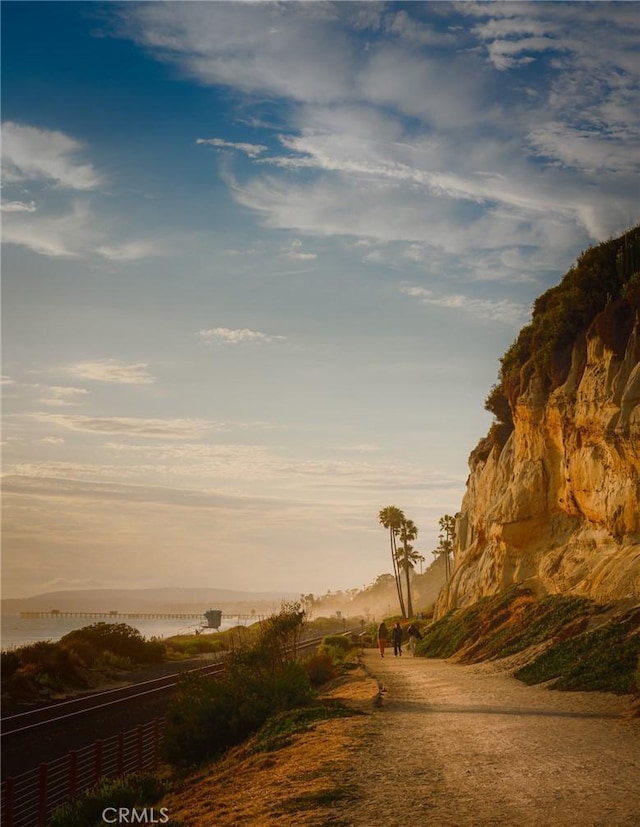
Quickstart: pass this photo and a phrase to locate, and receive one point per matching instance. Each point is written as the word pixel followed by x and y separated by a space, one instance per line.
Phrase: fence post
pixel 8 802
pixel 97 773
pixel 42 794
pixel 156 742
pixel 120 755
pixel 73 774
pixel 139 734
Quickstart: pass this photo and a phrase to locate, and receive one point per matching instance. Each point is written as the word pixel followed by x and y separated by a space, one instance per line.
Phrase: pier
pixel 214 621
pixel 118 615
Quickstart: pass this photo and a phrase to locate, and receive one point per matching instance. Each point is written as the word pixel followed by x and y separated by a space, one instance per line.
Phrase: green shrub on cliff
pixel 605 659
pixel 602 289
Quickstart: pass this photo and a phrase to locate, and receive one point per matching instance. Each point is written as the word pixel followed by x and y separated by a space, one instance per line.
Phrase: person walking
pixel 397 640
pixel 383 637
pixel 414 637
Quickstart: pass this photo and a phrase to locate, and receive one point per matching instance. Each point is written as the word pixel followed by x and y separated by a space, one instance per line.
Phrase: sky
pixel 260 263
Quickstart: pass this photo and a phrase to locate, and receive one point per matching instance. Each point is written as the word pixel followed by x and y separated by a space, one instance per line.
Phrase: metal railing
pixel 29 799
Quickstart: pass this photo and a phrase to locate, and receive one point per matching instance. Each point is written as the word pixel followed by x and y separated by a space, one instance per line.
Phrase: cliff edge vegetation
pixel 553 496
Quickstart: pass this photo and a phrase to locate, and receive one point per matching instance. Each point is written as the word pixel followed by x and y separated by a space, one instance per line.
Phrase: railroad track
pixel 65 710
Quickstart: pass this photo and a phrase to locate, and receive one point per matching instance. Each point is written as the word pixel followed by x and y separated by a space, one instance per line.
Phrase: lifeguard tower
pixel 214 618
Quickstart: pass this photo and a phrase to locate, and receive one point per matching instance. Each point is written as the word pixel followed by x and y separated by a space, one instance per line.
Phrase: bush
pixel 132 791
pixel 277 731
pixel 46 664
pixel 207 717
pixel 9 663
pixel 320 668
pixel 337 642
pixel 601 291
pixel 336 647
pixel 464 627
pixel 196 644
pixel 605 659
pixel 118 638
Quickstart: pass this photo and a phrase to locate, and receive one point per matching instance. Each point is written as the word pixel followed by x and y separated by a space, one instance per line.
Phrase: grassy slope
pixel 588 646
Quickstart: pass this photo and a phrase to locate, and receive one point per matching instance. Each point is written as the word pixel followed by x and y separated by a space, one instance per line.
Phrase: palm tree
pixel 408 532
pixel 446 537
pixel 392 518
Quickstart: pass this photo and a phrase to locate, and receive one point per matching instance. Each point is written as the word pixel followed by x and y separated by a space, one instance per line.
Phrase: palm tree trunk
pixel 394 559
pixel 406 574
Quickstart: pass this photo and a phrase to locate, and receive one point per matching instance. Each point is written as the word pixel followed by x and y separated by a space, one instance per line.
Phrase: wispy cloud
pixel 112 370
pixel 60 396
pixel 294 251
pixel 32 154
pixel 69 233
pixel 18 206
pixel 130 250
pixel 236 336
pixel 72 231
pixel 496 310
pixel 67 225
pixel 132 426
pixel 487 138
pixel 252 150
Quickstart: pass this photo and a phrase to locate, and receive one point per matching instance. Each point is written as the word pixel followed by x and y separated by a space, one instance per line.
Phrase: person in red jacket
pixel 383 637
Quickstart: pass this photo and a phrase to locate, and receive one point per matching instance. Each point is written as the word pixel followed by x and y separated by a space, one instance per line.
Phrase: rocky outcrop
pixel 558 504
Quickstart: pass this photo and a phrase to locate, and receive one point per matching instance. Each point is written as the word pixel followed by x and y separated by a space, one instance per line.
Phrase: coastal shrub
pixel 463 627
pixel 276 732
pixel 527 621
pixel 336 646
pixel 108 662
pixel 9 663
pixel 339 642
pixel 605 659
pixel 320 668
pixel 46 665
pixel 601 292
pixel 207 717
pixel 191 645
pixel 118 638
pixel 131 791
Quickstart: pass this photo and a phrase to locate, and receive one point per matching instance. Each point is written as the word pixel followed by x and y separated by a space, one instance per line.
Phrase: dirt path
pixel 466 746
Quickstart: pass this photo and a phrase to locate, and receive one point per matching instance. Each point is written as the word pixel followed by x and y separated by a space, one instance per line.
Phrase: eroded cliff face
pixel 558 505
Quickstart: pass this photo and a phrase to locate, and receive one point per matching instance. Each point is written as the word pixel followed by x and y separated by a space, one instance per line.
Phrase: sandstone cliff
pixel 553 496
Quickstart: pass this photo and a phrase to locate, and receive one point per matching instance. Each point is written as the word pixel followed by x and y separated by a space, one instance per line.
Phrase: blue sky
pixel 260 263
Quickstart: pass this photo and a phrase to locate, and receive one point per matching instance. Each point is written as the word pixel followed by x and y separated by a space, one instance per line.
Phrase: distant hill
pixel 159 600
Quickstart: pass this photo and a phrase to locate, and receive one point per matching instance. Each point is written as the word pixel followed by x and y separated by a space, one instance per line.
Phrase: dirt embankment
pixel 440 744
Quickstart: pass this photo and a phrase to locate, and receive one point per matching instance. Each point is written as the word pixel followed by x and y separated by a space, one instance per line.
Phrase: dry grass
pixel 295 786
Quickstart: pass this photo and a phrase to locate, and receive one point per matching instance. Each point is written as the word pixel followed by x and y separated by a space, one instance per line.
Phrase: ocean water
pixel 19 631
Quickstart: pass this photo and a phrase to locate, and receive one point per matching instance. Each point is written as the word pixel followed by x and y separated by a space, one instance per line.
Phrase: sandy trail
pixel 462 746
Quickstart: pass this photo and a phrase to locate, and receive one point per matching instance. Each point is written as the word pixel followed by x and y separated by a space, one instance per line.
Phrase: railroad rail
pixel 24 721
pixel 64 710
